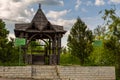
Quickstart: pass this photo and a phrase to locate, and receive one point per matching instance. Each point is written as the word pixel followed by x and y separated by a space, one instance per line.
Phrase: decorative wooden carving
pixel 41 28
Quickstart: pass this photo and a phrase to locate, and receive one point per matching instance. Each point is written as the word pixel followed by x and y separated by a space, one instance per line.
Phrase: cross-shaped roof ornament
pixel 39 5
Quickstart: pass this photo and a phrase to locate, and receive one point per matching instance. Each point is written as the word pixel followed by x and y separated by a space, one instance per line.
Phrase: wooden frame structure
pixel 41 28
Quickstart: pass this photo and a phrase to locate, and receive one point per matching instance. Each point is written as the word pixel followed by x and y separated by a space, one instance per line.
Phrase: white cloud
pixel 64 39
pixel 118 12
pixel 115 1
pixel 18 9
pixel 48 2
pixel 57 14
pixel 67 26
pixel 78 2
pixel 56 17
pixel 93 22
pixel 89 3
pixel 14 10
pixel 11 36
pixel 99 2
pixel 83 10
pixel 64 22
pixel 61 3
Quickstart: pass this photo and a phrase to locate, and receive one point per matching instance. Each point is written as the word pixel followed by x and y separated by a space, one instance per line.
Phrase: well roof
pixel 39 23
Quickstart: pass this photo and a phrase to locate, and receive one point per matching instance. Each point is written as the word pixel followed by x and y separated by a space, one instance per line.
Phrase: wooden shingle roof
pixel 39 23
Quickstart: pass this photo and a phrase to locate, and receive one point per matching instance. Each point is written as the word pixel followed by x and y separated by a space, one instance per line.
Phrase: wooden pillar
pixel 50 59
pixel 58 49
pixel 21 35
pixel 49 46
pixel 54 51
pixel 21 55
pixel 25 51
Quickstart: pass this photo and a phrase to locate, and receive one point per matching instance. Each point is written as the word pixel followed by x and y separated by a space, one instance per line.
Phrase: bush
pixel 68 59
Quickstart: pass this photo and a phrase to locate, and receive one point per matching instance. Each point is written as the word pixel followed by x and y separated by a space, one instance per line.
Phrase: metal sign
pixel 20 41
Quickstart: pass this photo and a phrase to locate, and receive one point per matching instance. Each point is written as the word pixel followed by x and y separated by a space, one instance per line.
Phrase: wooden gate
pixel 38 57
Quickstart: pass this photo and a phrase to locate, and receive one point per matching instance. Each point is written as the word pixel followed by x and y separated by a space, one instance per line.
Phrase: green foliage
pixel 64 50
pixel 99 32
pixel 112 21
pixel 68 59
pixel 80 41
pixel 102 57
pixel 34 45
pixel 3 32
pixel 8 53
pixel 112 44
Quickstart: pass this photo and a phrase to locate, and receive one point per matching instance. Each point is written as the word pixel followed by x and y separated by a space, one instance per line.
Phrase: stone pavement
pixel 13 79
pixel 19 79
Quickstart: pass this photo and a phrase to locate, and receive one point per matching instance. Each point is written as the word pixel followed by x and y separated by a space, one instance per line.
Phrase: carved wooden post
pixel 59 49
pixel 21 58
pixel 49 51
pixel 29 58
pixel 21 35
pixel 25 54
pixel 54 50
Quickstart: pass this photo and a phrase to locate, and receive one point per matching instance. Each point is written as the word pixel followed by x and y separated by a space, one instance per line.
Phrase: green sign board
pixel 20 41
pixel 97 43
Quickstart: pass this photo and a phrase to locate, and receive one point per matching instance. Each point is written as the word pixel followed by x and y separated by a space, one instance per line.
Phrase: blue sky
pixel 61 12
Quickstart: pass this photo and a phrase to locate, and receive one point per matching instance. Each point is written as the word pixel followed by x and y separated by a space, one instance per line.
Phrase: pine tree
pixel 80 41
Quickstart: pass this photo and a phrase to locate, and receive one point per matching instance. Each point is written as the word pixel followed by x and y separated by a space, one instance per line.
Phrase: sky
pixel 60 12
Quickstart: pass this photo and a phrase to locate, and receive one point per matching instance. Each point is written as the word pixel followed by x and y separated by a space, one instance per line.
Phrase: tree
pixel 112 20
pixel 80 41
pixel 99 32
pixel 64 50
pixel 3 40
pixel 8 53
pixel 101 55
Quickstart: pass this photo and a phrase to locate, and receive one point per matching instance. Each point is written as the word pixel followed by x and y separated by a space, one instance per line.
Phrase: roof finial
pixel 39 5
